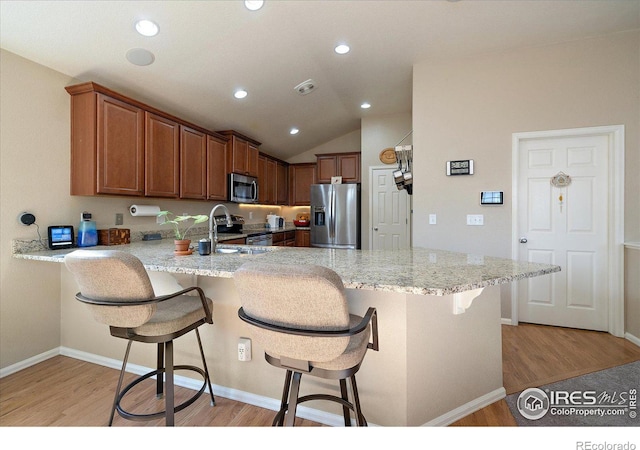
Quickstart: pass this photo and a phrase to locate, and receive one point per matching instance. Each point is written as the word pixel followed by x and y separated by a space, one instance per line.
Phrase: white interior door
pixel 567 226
pixel 390 208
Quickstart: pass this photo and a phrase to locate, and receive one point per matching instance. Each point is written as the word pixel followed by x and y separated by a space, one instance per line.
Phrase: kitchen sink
pixel 227 250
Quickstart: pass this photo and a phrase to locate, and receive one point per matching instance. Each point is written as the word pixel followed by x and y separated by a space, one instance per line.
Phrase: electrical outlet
pixel 119 219
pixel 475 219
pixel 244 349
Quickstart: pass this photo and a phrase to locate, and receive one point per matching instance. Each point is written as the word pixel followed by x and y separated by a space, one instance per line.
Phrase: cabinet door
pixel 252 160
pixel 193 164
pixel 348 167
pixel 272 167
pixel 217 169
pixel 303 238
pixel 120 147
pixel 302 176
pixel 326 168
pixel 262 179
pixel 282 183
pixel 162 157
pixel 240 156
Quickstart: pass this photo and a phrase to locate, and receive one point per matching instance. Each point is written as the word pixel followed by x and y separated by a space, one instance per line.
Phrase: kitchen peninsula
pixel 440 352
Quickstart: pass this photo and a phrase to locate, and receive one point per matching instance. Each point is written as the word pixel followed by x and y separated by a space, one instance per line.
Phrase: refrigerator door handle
pixel 332 216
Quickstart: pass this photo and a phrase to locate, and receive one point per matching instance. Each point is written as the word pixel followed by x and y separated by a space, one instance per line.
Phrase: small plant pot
pixel 181 247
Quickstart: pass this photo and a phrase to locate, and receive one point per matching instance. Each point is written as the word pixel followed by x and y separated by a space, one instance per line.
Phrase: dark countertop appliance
pixel 236 224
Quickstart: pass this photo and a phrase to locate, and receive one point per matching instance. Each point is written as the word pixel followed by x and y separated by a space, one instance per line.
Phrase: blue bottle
pixel 87 232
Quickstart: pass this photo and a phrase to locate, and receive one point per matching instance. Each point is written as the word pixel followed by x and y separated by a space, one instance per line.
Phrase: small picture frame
pixel 336 180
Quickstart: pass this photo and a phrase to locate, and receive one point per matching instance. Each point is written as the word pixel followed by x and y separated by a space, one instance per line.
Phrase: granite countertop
pixel 415 271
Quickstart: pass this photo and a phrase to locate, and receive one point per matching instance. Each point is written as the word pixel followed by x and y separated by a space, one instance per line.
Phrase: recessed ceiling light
pixel 240 93
pixel 294 131
pixel 140 57
pixel 342 49
pixel 253 5
pixel 365 105
pixel 147 27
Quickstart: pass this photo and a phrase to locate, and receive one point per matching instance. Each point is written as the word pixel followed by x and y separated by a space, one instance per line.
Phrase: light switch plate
pixel 475 219
pixel 432 219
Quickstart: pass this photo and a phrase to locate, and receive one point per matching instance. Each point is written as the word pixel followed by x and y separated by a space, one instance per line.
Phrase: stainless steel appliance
pixel 335 216
pixel 243 189
pixel 259 238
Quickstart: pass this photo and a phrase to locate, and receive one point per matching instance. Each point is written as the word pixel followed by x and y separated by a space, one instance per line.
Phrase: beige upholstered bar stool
pixel 301 319
pixel 115 285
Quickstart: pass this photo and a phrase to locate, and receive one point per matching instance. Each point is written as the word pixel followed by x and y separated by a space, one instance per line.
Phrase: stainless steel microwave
pixel 243 189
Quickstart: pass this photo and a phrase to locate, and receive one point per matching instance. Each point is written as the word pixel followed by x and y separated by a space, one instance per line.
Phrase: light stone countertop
pixel 415 271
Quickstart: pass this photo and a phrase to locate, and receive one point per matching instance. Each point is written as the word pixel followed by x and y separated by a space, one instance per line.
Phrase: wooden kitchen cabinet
pixel 303 238
pixel 301 177
pixel 284 238
pixel 237 241
pixel 217 179
pixel 193 164
pixel 161 157
pixel 243 153
pixel 107 145
pixel 282 183
pixel 346 165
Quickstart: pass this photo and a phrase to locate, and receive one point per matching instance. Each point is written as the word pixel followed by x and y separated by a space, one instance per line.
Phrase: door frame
pixel 372 169
pixel 615 220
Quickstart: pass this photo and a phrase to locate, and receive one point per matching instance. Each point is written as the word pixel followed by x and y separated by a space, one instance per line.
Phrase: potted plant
pixel 180 235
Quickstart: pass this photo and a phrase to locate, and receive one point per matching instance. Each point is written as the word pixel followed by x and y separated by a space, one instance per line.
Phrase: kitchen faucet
pixel 213 227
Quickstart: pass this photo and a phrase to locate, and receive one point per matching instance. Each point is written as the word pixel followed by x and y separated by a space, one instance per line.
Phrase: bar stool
pixel 299 315
pixel 116 287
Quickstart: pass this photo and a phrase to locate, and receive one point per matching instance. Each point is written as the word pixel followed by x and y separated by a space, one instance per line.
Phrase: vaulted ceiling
pixel 205 50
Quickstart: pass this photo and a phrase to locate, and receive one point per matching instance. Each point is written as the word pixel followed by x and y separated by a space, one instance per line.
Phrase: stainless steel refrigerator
pixel 335 216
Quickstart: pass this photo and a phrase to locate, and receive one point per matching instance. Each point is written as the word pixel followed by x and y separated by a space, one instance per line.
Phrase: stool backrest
pixel 112 275
pixel 303 297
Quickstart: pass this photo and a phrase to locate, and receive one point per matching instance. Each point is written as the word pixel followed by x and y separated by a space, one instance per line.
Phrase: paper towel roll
pixel 144 210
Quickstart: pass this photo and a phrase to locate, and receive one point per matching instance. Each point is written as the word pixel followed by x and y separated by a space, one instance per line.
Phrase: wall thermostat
pixel 491 197
pixel 460 167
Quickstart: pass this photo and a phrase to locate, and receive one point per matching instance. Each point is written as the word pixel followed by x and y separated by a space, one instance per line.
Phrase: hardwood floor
pixel 67 392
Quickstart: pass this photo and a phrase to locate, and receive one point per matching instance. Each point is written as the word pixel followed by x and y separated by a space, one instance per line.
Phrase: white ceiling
pixel 207 49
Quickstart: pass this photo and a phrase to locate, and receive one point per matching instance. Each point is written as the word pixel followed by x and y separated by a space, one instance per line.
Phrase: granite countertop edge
pixel 416 271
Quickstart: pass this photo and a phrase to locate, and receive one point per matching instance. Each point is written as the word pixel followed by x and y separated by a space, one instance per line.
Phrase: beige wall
pixel 378 133
pixel 469 109
pixel 349 142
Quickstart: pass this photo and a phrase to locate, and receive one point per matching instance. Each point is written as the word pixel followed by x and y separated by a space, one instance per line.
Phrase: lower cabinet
pixel 284 238
pixel 239 241
pixel 303 238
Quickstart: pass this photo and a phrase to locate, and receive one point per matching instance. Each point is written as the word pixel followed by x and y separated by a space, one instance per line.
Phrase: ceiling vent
pixel 306 87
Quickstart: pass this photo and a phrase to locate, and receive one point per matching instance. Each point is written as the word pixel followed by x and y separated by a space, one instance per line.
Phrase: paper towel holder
pixel 144 210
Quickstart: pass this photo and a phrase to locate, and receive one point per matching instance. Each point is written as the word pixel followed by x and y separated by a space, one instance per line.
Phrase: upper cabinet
pixel 243 153
pixel 273 181
pixel 301 177
pixel 161 156
pixel 217 169
pixel 107 145
pixel 193 164
pixel 120 146
pixel 345 165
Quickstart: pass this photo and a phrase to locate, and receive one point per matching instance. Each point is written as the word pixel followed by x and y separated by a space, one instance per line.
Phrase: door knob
pixel 523 240
pixel 375 228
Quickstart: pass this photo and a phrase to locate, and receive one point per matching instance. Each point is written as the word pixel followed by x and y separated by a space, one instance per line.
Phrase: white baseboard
pixel 506 321
pixel 468 408
pixel 315 415
pixel 17 367
pixel 633 339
